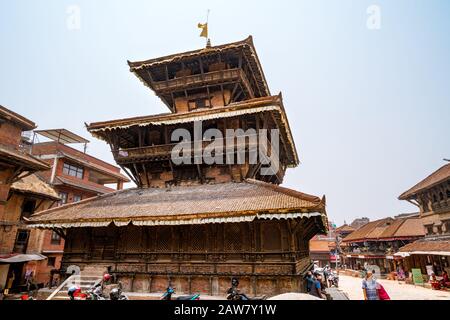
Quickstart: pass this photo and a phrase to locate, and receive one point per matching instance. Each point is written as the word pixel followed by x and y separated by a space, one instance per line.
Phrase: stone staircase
pixel 85 280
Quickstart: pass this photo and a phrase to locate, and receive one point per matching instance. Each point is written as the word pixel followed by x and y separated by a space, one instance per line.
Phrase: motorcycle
pixel 116 294
pixel 234 294
pixel 171 290
pixel 95 293
pixel 334 279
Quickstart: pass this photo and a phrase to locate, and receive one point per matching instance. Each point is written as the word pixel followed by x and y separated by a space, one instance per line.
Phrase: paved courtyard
pixel 397 291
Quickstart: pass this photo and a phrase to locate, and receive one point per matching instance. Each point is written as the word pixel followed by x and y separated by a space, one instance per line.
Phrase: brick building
pixel 432 196
pixel 21 194
pixel 377 242
pixel 75 175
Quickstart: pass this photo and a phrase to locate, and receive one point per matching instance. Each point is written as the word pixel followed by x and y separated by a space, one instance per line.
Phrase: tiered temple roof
pixel 227 202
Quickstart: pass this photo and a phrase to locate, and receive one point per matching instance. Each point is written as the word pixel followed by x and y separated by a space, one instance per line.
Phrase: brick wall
pixel 51 148
pixel 10 134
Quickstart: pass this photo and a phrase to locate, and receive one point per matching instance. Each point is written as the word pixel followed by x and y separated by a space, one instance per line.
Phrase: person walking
pixel 370 287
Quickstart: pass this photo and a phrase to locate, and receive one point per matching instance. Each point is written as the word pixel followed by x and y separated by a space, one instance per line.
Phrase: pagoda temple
pixel 196 223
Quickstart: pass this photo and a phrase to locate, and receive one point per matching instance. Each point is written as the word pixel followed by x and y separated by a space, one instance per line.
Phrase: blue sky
pixel 369 109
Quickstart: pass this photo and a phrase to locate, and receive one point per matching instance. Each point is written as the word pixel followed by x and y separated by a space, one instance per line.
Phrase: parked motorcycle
pixel 171 290
pixel 234 294
pixel 116 294
pixel 95 293
pixel 333 279
pixel 75 293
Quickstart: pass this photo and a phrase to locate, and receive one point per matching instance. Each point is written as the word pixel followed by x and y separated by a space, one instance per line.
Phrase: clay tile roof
pixel 440 175
pixel 138 67
pixel 21 121
pixel 83 185
pixel 272 104
pixel 186 116
pixel 388 228
pixel 21 158
pixel 32 184
pixel 184 203
pixel 410 227
pixel 345 228
pixel 427 246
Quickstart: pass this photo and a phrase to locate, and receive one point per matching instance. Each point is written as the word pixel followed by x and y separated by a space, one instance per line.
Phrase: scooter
pixel 171 290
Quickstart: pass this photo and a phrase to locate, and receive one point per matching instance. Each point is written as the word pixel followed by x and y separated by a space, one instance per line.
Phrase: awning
pixel 119 223
pixel 16 258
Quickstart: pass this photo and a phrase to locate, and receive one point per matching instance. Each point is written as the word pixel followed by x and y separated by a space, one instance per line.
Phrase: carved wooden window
pixel 155 138
pixel 233 237
pixel 79 240
pixel 163 239
pixel 198 238
pixel 133 237
pixel 271 236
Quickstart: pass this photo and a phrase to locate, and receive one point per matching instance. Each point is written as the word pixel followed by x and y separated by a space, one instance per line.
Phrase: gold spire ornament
pixel 204 33
pixel 204 27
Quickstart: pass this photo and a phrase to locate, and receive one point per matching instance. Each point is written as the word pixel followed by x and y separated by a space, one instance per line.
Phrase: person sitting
pixel 435 284
pixel 316 289
pixel 401 274
pixel 445 282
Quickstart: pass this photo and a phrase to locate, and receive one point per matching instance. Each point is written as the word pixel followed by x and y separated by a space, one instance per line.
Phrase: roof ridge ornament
pixel 204 33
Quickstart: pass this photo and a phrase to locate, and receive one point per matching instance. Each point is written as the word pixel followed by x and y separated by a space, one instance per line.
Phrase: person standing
pixel 370 287
pixel 29 274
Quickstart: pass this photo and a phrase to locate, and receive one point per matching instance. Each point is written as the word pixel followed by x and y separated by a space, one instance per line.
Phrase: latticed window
pixel 233 237
pixel 163 239
pixel 133 239
pixel 198 238
pixel 271 236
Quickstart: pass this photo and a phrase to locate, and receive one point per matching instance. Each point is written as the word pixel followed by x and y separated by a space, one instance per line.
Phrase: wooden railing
pixel 199 79
pixel 165 150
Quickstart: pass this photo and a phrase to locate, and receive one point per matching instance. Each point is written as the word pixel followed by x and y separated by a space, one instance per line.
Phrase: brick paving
pixel 397 291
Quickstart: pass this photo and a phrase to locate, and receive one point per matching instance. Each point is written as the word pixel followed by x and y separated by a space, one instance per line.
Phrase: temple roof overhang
pixel 33 185
pixel 16 118
pixel 272 104
pixel 427 247
pixel 140 68
pixel 17 158
pixel 190 204
pixel 437 177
